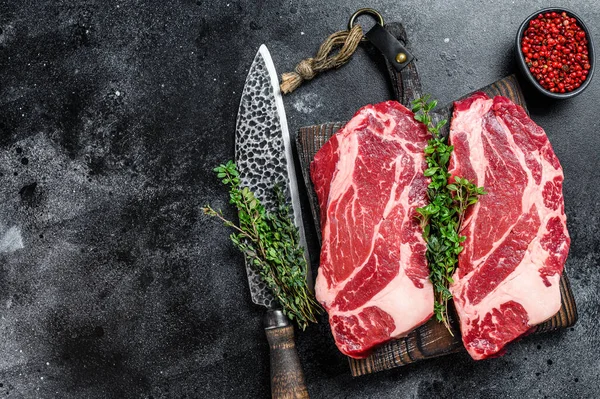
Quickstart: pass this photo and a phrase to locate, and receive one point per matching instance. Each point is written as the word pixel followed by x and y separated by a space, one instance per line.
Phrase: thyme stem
pixel 442 218
pixel 270 243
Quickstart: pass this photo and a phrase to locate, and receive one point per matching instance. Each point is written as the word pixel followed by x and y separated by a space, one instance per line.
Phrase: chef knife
pixel 263 155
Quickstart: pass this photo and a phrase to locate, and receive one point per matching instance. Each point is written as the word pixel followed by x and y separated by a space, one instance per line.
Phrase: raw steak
pixel 373 276
pixel 517 240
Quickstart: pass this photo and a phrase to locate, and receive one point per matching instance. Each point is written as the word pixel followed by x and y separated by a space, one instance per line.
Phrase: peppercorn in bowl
pixel 555 52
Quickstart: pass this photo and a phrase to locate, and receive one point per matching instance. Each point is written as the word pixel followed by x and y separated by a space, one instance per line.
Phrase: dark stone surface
pixel 112 115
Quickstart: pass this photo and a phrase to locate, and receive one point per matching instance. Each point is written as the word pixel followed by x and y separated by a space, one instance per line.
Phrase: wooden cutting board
pixel 431 339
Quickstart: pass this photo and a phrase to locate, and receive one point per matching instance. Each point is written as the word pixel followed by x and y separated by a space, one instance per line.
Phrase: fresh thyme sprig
pixel 270 243
pixel 442 218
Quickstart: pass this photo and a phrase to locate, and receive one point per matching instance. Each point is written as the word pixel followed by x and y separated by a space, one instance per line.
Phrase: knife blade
pixel 263 155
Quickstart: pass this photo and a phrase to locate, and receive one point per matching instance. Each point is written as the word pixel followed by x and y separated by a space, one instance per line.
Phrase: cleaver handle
pixel 287 378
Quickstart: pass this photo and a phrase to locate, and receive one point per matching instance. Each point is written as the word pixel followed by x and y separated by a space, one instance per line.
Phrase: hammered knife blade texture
pixel 263 152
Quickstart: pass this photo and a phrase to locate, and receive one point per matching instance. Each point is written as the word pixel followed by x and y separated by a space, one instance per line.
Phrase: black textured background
pixel 112 116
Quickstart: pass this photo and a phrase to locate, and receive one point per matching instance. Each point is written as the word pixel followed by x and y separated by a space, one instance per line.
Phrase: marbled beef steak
pixel 517 240
pixel 373 275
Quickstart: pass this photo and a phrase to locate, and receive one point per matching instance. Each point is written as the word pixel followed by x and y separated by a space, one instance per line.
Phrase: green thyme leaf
pixel 270 244
pixel 442 217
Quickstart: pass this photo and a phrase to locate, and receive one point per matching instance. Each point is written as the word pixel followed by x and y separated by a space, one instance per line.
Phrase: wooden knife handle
pixel 287 378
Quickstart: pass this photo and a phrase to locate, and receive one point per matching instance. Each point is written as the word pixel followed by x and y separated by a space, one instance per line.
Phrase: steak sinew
pixel 517 241
pixel 373 274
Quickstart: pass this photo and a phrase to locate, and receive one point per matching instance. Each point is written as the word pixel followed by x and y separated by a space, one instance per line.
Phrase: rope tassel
pixel 308 68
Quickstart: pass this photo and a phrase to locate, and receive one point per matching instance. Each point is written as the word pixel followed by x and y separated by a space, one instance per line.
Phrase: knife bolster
pixel 275 319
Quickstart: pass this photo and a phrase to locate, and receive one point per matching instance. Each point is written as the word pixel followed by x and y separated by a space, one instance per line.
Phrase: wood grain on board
pixel 431 339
